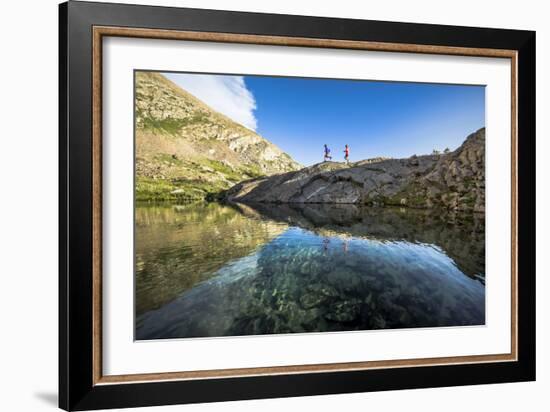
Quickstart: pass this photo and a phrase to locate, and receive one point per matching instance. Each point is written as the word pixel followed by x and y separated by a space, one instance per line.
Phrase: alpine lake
pixel 209 269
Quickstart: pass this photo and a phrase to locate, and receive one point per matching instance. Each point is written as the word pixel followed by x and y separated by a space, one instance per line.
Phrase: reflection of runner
pixel 345 246
pixel 346 154
pixel 326 241
pixel 327 154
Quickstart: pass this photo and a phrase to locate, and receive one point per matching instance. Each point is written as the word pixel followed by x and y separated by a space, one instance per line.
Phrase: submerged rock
pixel 344 311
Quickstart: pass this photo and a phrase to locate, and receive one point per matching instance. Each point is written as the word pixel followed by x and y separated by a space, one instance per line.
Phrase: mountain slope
pixel 453 181
pixel 186 150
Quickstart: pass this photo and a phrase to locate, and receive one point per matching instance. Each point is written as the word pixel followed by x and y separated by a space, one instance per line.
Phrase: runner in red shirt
pixel 346 156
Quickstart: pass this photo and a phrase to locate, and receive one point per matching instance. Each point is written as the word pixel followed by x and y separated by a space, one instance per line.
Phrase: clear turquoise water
pixel 228 270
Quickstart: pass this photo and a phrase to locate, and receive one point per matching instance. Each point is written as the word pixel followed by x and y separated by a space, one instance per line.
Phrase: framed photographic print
pixel 257 205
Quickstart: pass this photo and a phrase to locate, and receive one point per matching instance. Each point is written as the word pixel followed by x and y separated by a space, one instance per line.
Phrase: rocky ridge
pixel 452 181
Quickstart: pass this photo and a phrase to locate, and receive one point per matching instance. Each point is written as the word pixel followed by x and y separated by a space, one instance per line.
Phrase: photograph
pixel 261 205
pixel 278 205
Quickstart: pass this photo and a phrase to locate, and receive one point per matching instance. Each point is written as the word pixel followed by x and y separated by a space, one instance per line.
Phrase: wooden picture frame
pixel 83 26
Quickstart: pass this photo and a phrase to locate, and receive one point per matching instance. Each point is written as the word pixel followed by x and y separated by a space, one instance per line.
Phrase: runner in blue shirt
pixel 327 154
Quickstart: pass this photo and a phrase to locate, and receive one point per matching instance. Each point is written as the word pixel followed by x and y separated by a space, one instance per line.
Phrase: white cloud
pixel 225 94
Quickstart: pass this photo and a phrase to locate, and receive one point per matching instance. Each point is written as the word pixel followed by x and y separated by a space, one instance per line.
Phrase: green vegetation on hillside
pixel 148 189
pixel 204 184
pixel 171 125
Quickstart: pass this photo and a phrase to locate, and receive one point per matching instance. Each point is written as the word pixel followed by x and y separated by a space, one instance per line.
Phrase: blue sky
pixel 374 118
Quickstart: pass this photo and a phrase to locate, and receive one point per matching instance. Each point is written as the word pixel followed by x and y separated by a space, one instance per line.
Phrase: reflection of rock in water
pixel 461 236
pixel 178 246
pixel 300 283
